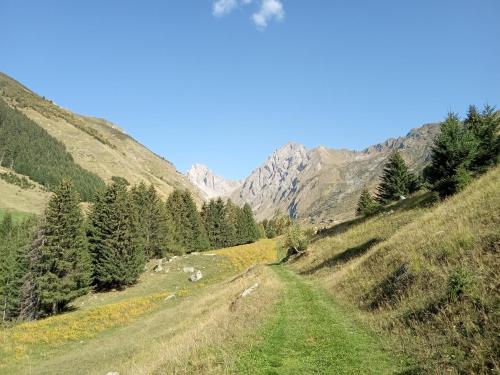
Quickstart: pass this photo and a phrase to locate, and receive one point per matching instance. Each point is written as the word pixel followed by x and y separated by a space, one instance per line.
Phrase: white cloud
pixel 223 7
pixel 269 9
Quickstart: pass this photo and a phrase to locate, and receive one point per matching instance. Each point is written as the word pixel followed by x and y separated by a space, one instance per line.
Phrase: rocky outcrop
pixel 209 184
pixel 323 185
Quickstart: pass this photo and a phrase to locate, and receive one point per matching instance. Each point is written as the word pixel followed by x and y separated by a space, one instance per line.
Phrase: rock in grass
pixel 249 291
pixel 159 267
pixel 197 276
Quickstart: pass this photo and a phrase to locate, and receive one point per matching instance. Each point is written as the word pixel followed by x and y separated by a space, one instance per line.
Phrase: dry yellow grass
pixel 80 325
pixel 242 257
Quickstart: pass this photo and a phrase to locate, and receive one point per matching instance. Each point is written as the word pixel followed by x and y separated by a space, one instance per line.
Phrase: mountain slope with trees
pixel 96 145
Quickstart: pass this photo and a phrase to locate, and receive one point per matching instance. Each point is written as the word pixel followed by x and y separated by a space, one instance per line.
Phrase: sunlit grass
pixel 242 257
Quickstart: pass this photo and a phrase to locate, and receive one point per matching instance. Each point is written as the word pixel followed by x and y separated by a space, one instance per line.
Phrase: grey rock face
pixel 211 185
pixel 324 184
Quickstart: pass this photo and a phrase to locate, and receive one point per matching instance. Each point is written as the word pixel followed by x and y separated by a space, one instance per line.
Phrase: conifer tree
pixel 220 230
pixel 397 181
pixel 188 229
pixel 366 204
pixel 63 270
pixel 485 127
pixel 233 213
pixel 13 266
pixel 250 232
pixel 453 153
pixel 154 227
pixel 118 257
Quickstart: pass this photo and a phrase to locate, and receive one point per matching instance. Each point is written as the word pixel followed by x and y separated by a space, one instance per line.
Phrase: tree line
pixel 47 263
pixel 30 150
pixel 462 151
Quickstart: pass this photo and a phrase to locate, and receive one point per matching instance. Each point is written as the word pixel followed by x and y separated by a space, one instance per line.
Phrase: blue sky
pixel 226 84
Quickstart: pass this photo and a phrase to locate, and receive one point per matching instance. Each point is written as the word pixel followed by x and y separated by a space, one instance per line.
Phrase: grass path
pixel 311 335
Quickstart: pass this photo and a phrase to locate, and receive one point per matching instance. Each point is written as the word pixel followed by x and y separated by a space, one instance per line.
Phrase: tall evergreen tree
pixel 247 222
pixel 14 239
pixel 397 180
pixel 220 230
pixel 116 248
pixel 189 232
pixel 366 204
pixel 485 127
pixel 154 227
pixel 453 153
pixel 63 270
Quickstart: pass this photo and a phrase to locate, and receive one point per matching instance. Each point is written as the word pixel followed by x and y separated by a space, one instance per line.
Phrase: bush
pixel 296 239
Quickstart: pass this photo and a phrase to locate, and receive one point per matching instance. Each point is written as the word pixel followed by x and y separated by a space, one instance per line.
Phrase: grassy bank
pixel 426 278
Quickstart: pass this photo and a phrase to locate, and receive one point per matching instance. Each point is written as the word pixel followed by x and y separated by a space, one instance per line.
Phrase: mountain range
pixel 320 184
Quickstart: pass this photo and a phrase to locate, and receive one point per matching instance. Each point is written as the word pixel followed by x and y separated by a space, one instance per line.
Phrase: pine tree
pixel 188 230
pixel 248 224
pixel 13 266
pixel 233 213
pixel 396 182
pixel 485 127
pixel 366 204
pixel 63 270
pixel 118 257
pixel 220 230
pixel 154 227
pixel 453 153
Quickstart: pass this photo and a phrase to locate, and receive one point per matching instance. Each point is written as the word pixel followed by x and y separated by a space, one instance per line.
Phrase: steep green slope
pixel 425 277
pixel 96 145
pixel 29 150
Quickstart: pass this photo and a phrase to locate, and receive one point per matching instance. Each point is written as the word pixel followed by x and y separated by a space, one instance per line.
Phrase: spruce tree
pixel 118 257
pixel 220 230
pixel 485 127
pixel 154 227
pixel 248 224
pixel 397 181
pixel 366 204
pixel 189 232
pixel 63 270
pixel 453 153
pixel 233 213
pixel 13 266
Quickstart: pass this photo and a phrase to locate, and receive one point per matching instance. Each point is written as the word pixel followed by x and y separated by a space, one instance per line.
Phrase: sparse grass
pixel 429 282
pixel 16 215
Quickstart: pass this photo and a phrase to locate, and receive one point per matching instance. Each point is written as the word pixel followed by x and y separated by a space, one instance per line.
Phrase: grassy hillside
pixel 427 278
pixel 94 144
pixel 165 324
pixel 29 150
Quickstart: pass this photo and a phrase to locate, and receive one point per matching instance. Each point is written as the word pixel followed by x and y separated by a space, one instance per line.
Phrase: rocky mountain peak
pixel 211 185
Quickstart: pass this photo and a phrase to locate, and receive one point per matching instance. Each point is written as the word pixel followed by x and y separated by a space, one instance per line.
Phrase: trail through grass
pixel 311 335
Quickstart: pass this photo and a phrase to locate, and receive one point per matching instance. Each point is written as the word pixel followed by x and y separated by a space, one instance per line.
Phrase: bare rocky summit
pixel 322 184
pixel 209 184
